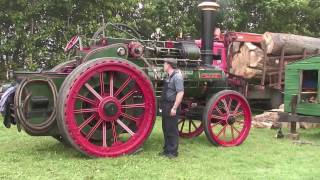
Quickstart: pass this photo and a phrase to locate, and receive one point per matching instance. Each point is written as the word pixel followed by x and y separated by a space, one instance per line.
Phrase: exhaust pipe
pixel 208 17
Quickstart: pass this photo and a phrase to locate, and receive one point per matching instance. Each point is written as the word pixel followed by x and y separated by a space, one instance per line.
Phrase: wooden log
pixel 294 44
pixel 244 62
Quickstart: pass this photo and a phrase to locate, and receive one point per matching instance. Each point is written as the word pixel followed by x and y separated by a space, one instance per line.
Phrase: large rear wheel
pixel 106 108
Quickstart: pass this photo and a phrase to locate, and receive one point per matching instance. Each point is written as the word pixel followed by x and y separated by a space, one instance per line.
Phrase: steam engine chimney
pixel 208 17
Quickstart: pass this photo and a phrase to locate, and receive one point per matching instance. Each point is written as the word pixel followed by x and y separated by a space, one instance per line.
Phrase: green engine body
pixel 38 91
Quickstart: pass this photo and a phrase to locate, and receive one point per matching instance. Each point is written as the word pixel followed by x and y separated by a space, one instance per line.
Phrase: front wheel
pixel 227 119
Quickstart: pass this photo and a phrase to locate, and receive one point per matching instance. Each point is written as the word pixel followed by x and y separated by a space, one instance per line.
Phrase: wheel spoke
pixel 101 83
pixel 230 103
pixel 194 125
pixel 181 129
pixel 235 129
pixel 127 116
pixel 127 96
pixel 94 92
pixel 111 84
pixel 222 130
pixel 87 121
pixel 85 99
pixel 104 134
pixel 218 110
pixel 225 106
pixel 237 108
pixel 93 130
pixel 240 121
pixel 81 111
pixel 114 132
pixel 214 124
pixel 217 117
pixel 124 85
pixel 237 114
pixel 232 133
pixel 125 127
pixel 128 106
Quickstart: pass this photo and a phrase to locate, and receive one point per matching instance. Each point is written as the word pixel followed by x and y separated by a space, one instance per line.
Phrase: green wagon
pixel 301 93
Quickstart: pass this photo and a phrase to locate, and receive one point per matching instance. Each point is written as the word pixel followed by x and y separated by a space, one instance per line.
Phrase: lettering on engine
pixel 211 76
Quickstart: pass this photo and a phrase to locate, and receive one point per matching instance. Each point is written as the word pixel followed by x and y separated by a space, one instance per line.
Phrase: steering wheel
pixel 117 26
pixel 74 40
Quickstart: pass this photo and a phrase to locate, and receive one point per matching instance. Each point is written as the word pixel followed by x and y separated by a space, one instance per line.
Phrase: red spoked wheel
pixel 227 119
pixel 106 108
pixel 189 128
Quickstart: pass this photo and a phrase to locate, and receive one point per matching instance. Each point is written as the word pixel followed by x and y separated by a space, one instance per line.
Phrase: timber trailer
pixel 103 102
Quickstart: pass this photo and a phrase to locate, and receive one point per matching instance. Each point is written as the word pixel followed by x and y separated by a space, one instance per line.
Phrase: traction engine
pixel 103 102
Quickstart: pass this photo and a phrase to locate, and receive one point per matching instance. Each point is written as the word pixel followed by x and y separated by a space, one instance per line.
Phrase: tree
pixel 35 31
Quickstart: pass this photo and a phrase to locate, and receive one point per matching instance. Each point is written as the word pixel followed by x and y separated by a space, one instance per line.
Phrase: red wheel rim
pixel 189 128
pixel 229 120
pixel 110 109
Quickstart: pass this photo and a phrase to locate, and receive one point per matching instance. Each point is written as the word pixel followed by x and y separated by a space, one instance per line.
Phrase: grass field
pixel 260 157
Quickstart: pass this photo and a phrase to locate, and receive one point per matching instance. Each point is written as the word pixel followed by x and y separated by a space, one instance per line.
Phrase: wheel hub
pixel 109 109
pixel 231 120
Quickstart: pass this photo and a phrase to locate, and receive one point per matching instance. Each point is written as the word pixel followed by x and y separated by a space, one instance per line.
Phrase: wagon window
pixel 309 89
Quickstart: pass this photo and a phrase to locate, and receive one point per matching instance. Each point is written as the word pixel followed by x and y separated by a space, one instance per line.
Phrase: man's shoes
pixel 171 156
pixel 168 155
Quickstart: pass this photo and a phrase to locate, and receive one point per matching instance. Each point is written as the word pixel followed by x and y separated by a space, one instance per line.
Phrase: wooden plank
pixel 287 117
pixel 264 70
pixel 280 75
pixel 294 103
pixel 311 92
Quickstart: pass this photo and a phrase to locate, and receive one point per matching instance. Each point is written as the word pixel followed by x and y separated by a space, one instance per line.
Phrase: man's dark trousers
pixel 170 130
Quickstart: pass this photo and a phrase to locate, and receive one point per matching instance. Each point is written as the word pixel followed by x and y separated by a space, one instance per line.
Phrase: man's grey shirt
pixel 175 85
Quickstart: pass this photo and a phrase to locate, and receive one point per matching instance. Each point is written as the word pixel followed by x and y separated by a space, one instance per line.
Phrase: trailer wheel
pixel 106 108
pixel 227 119
pixel 189 128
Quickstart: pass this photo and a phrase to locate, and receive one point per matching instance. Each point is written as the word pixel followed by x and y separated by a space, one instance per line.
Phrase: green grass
pixel 260 157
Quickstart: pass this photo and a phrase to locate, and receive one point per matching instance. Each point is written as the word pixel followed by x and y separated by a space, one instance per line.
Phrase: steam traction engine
pixel 103 101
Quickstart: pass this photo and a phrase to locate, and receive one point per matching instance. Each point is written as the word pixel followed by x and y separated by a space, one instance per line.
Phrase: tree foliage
pixel 35 31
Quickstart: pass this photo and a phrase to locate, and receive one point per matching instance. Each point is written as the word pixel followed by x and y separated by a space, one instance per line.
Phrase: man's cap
pixel 172 62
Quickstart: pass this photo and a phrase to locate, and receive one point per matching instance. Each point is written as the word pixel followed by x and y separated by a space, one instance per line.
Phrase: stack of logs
pixel 248 58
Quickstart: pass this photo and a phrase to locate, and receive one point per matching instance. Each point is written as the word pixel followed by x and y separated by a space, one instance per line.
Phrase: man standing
pixel 171 99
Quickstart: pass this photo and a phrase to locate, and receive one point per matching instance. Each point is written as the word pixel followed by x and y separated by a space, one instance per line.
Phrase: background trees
pixel 35 31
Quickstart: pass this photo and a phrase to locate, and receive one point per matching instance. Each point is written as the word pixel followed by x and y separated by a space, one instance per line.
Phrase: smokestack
pixel 208 17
